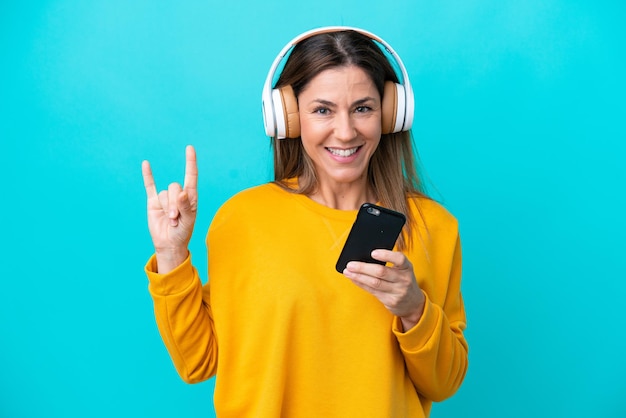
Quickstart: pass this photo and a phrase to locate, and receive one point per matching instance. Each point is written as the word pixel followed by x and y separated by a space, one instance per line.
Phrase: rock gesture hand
pixel 172 214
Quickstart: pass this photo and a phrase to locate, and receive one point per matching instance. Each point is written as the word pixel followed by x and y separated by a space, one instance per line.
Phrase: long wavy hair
pixel 392 172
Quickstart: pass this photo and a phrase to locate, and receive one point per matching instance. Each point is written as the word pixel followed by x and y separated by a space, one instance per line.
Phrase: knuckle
pixel 376 282
pixel 379 270
pixel 174 186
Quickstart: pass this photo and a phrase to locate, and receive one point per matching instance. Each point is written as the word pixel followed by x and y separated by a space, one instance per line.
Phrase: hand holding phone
pixel 375 227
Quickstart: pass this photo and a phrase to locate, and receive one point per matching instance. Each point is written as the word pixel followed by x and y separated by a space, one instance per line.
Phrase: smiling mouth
pixel 343 152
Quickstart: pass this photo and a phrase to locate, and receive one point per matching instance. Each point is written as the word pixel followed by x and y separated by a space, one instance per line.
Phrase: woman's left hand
pixel 394 286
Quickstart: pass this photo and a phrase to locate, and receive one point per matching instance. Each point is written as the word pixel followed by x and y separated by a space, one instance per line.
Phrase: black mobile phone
pixel 375 227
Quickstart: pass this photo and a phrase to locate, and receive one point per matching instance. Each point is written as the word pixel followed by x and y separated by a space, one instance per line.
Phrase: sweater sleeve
pixel 183 316
pixel 435 350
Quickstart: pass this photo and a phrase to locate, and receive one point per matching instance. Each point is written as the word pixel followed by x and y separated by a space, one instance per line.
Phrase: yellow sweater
pixel 298 339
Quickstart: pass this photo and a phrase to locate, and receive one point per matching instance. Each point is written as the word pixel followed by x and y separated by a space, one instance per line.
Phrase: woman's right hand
pixel 172 214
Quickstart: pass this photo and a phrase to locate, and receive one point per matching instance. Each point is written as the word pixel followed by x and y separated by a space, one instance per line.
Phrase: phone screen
pixel 375 227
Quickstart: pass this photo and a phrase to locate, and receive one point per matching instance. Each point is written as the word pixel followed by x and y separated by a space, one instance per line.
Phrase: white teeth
pixel 343 152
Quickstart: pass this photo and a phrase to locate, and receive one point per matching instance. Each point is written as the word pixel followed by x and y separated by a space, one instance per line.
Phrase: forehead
pixel 339 80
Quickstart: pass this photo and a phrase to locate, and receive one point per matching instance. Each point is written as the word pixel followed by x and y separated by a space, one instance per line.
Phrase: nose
pixel 344 127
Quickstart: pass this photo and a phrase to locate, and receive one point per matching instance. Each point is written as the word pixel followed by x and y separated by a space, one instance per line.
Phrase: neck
pixel 343 196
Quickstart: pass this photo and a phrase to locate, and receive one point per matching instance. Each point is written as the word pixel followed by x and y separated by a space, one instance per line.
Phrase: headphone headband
pixel 270 110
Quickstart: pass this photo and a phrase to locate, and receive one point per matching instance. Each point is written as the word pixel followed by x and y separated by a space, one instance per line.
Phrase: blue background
pixel 520 126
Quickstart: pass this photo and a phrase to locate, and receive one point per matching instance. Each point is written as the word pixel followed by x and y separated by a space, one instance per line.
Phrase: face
pixel 340 122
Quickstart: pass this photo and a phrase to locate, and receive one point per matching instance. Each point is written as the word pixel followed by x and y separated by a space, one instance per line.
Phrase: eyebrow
pixel 356 103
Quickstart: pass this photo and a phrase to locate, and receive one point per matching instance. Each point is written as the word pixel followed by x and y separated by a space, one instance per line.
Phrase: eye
pixel 362 109
pixel 321 110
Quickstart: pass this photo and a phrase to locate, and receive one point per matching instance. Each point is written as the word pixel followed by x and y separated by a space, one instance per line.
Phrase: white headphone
pixel 280 107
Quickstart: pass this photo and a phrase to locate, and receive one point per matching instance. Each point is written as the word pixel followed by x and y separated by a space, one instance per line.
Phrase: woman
pixel 284 333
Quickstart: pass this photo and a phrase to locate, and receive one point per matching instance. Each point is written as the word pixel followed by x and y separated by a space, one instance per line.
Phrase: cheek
pixel 373 133
pixel 308 137
pixel 305 127
pixel 310 127
pixel 312 133
pixel 371 127
pixel 374 146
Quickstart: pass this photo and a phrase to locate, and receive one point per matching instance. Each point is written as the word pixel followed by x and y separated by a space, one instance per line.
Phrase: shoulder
pixel 262 194
pixel 254 202
pixel 432 215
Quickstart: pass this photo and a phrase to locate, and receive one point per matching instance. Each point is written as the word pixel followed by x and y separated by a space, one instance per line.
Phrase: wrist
pixel 168 260
pixel 411 320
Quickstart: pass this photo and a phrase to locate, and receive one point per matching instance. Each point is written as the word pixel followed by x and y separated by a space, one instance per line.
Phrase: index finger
pixel 148 179
pixel 191 169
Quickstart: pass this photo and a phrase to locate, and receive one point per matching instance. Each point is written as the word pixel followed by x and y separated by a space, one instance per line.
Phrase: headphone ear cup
pixel 394 109
pixel 390 107
pixel 290 111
